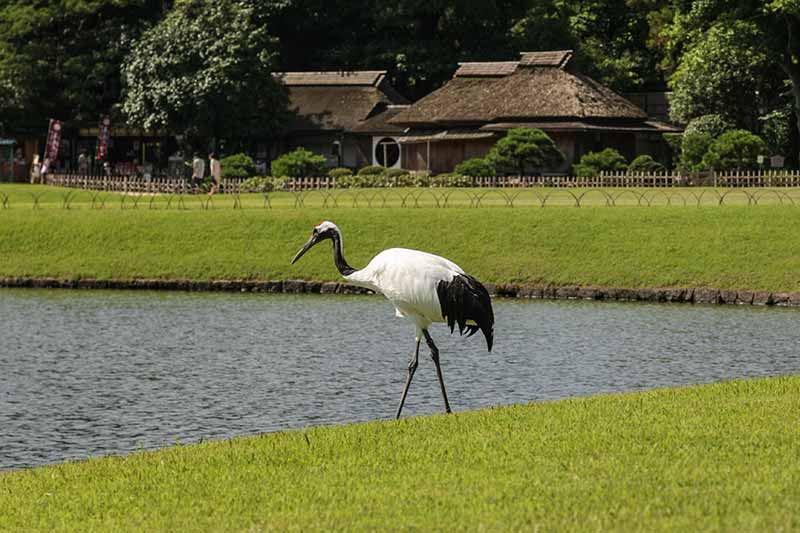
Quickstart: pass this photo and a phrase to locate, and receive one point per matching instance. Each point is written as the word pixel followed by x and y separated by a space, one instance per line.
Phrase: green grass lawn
pixel 716 457
pixel 729 247
pixel 23 196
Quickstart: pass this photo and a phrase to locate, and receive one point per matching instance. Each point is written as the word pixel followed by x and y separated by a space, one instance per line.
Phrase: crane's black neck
pixel 338 256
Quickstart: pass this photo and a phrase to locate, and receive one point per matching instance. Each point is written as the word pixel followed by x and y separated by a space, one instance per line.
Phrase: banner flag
pixel 53 145
pixel 103 136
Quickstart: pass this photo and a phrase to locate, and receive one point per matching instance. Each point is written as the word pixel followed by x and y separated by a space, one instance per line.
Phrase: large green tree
pixel 205 71
pixel 61 58
pixel 735 57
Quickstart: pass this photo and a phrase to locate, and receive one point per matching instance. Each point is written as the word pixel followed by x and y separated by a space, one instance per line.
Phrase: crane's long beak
pixel 307 246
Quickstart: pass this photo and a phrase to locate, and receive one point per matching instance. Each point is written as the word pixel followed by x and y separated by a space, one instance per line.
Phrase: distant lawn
pixel 717 457
pixel 729 247
pixel 23 196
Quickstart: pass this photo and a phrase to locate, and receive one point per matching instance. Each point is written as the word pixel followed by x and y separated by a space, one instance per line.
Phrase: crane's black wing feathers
pixel 464 299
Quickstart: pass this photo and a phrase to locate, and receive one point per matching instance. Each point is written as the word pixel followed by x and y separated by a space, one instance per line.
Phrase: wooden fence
pixel 162 185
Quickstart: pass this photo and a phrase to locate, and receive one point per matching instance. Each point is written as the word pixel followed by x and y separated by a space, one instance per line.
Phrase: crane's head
pixel 323 230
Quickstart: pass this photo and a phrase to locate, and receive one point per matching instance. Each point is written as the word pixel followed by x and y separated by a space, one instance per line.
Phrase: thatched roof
pixel 378 124
pixel 535 88
pixel 336 101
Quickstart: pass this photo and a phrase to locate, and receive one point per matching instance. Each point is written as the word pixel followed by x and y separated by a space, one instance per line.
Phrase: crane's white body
pixel 408 279
pixel 414 282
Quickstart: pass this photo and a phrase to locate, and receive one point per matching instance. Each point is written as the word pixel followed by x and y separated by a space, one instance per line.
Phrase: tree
pixel 593 163
pixel 477 167
pixel 725 74
pixel 614 40
pixel 61 58
pixel 205 71
pixel 524 149
pixel 735 150
pixel 299 163
pixel 645 164
pixel 769 29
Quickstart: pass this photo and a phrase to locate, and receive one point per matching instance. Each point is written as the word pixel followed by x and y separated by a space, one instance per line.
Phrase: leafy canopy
pixel 299 163
pixel 61 58
pixel 206 71
pixel 735 150
pixel 523 150
pixel 593 163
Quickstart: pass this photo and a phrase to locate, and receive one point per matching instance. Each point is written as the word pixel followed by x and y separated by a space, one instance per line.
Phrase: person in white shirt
pixel 216 172
pixel 198 170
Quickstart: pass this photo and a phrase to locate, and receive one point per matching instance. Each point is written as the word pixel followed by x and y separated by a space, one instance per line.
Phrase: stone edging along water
pixel 545 292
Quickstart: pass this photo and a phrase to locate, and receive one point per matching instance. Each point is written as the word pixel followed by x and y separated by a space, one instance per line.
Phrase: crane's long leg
pixel 412 367
pixel 435 357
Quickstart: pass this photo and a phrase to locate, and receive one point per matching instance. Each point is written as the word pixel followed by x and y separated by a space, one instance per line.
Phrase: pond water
pixel 95 373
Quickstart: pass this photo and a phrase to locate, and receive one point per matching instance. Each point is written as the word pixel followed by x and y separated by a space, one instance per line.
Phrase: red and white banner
pixel 53 140
pixel 103 136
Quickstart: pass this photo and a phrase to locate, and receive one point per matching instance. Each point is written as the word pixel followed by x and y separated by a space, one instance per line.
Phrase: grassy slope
pixel 723 456
pixel 723 247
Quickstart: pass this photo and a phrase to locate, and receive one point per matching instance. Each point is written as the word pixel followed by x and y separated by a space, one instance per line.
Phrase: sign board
pixel 777 161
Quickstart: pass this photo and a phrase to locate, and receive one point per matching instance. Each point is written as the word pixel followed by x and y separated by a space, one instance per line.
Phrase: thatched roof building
pixel 335 111
pixel 485 99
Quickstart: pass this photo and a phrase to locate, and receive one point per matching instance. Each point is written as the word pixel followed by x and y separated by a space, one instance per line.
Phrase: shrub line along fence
pixel 133 184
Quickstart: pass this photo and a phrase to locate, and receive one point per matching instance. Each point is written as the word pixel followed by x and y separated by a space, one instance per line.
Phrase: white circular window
pixel 387 152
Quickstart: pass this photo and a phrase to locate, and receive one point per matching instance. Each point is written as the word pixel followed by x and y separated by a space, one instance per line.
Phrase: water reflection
pixel 91 373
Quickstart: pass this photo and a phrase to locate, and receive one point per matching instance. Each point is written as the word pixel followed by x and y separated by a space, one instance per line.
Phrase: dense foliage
pixel 205 71
pixel 645 164
pixel 735 150
pixel 477 167
pixel 61 58
pixel 525 150
pixel 593 163
pixel 237 166
pixel 299 163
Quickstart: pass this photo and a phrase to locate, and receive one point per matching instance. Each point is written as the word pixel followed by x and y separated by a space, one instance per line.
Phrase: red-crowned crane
pixel 423 287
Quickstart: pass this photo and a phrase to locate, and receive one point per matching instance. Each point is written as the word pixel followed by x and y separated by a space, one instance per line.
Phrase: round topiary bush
pixel 339 172
pixel 645 164
pixel 735 150
pixel 477 167
pixel 371 170
pixel 237 166
pixel 593 163
pixel 299 163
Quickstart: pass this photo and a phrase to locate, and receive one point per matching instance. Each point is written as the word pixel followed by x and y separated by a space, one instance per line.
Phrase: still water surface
pixel 96 373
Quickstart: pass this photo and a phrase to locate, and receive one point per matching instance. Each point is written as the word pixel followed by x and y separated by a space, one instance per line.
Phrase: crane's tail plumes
pixel 466 302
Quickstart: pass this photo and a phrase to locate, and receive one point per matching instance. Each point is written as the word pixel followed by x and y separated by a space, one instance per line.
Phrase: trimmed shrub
pixel 398 177
pixel 339 172
pixel 299 164
pixel 693 149
pixel 263 184
pixel 735 150
pixel 371 170
pixel 523 150
pixel 422 180
pixel 237 166
pixel 452 179
pixel 593 163
pixel 645 164
pixel 345 181
pixel 477 167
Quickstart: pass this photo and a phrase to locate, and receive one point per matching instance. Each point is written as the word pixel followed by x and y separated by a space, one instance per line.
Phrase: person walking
pixel 198 170
pixel 215 168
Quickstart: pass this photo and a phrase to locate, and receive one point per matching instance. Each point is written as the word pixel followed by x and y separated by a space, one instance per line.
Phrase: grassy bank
pixel 731 247
pixel 717 457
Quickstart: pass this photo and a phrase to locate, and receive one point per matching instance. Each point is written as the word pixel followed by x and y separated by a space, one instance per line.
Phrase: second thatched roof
pixel 539 86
